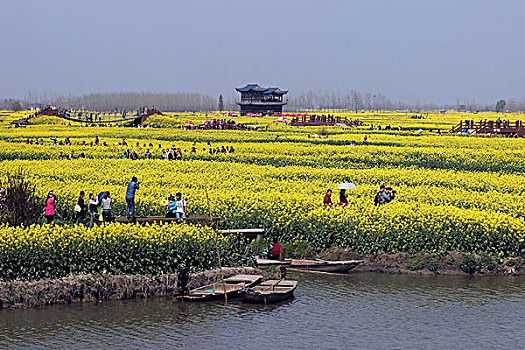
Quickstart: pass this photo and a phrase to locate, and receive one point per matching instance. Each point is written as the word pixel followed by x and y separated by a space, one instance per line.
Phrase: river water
pixel 357 311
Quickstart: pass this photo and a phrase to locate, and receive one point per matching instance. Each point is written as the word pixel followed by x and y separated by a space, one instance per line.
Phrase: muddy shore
pixel 91 288
pixel 452 263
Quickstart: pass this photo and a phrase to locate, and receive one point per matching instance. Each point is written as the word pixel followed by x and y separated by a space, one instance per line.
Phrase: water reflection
pixel 354 311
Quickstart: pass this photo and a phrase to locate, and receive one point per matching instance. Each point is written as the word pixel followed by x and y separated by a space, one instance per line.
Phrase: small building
pixel 257 99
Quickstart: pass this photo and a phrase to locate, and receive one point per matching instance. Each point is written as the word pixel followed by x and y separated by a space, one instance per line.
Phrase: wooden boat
pixel 215 291
pixel 271 291
pixel 325 266
pixel 262 263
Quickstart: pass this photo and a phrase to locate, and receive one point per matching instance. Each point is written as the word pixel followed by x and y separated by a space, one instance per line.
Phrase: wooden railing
pixel 490 127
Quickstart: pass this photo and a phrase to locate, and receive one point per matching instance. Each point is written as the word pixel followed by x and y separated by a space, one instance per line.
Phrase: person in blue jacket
pixel 133 185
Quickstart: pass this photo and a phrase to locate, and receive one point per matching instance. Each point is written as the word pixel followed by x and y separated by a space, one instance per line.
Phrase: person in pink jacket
pixel 49 209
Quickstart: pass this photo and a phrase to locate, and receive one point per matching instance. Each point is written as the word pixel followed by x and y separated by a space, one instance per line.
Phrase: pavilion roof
pixel 265 91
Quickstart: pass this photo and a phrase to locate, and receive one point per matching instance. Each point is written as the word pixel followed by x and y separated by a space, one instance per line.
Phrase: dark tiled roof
pixel 266 91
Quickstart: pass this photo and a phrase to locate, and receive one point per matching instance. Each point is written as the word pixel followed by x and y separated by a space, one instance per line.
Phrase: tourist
pixel 133 185
pixel 274 251
pixel 148 154
pixel 106 207
pixel 80 208
pixel 93 210
pixel 180 206
pixel 49 209
pixel 391 194
pixel 71 155
pixel 381 196
pixel 171 207
pixel 60 156
pixel 384 196
pixel 328 198
pixel 343 198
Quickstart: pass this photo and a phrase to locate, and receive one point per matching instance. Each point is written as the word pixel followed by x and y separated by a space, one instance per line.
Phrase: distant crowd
pixel 173 153
pixel 384 196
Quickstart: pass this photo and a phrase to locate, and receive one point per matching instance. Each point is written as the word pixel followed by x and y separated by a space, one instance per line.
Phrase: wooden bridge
pixel 138 119
pixel 498 127
pixel 321 120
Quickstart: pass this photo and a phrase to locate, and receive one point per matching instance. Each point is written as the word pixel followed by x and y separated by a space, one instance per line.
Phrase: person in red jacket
pixel 274 251
pixel 328 198
pixel 49 209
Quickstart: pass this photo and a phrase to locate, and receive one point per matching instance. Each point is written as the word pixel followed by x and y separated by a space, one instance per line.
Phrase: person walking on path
pixel 49 209
pixel 93 210
pixel 106 207
pixel 133 185
pixel 80 208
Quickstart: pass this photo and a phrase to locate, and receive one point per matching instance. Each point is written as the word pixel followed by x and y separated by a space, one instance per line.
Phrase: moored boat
pixel 325 266
pixel 263 263
pixel 216 291
pixel 268 292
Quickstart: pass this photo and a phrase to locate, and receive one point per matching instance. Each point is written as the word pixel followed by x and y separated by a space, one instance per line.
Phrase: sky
pixel 428 51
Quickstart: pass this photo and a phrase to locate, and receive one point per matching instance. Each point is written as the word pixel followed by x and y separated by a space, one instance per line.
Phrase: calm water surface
pixel 358 311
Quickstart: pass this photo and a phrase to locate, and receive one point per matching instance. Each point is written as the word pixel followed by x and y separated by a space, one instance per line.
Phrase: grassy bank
pixel 91 288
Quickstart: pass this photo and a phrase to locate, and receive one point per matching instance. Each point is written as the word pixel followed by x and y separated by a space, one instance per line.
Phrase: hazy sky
pixel 429 50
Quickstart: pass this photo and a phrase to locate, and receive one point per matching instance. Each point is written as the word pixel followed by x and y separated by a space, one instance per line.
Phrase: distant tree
pixel 500 105
pixel 16 106
pixel 221 103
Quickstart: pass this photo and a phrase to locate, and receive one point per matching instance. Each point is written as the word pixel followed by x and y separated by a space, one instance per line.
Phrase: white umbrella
pixel 346 186
pixel 420 131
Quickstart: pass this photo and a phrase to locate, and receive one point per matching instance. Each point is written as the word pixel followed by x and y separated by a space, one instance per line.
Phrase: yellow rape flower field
pixel 454 192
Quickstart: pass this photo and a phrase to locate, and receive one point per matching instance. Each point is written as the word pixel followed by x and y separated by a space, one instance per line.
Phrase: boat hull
pixel 325 266
pixel 269 293
pixel 215 291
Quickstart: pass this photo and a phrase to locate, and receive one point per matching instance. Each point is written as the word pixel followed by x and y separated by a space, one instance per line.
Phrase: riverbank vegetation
pixel 43 252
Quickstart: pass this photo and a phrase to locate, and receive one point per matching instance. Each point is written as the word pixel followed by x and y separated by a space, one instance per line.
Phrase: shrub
pixel 469 263
pixel 415 264
pixel 18 201
pixel 432 264
pixel 487 262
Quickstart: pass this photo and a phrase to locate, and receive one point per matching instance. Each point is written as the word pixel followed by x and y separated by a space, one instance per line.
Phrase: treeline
pixel 122 101
pixel 296 101
pixel 352 100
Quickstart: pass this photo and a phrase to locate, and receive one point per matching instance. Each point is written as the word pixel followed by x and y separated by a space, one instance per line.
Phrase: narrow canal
pixel 358 311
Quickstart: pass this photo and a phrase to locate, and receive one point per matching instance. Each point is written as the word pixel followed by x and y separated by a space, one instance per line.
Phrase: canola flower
pixel 38 252
pixel 455 193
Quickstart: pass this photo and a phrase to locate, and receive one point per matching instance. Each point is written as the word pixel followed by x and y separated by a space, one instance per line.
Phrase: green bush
pixel 469 263
pixel 487 262
pixel 415 264
pixel 432 264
